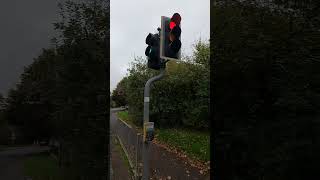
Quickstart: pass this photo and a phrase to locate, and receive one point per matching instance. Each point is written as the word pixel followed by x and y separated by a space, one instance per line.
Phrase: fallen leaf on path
pixel 204 167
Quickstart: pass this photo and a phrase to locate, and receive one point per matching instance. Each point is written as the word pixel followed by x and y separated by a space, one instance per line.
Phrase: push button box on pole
pixel 148 131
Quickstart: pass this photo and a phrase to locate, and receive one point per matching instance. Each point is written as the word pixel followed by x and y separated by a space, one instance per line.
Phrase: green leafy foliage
pixel 119 94
pixel 4 129
pixel 266 89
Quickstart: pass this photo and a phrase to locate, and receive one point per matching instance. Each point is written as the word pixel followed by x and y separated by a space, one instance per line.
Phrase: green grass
pixel 124 115
pixel 196 144
pixel 42 167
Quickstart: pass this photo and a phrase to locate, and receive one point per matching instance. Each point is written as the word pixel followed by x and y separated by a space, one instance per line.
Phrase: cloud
pixel 26 28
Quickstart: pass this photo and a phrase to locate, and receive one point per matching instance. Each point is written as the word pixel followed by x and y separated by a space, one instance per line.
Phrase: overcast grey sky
pixel 26 28
pixel 131 21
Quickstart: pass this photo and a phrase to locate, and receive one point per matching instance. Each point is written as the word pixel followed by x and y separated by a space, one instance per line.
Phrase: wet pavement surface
pixel 119 169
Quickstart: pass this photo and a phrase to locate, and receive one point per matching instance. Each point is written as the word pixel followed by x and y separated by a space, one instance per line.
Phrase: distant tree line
pixel 4 128
pixel 180 99
pixel 62 95
pixel 118 95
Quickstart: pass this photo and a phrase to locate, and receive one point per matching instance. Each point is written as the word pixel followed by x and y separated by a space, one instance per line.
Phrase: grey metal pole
pixel 137 148
pixel 145 150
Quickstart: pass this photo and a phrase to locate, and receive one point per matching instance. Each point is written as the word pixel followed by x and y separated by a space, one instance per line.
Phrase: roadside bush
pixel 180 99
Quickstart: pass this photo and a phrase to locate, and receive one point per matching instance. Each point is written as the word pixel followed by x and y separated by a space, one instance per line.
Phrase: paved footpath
pixel 119 169
pixel 164 164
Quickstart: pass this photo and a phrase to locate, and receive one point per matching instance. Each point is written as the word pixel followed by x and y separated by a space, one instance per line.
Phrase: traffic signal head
pixel 152 39
pixel 152 51
pixel 170 43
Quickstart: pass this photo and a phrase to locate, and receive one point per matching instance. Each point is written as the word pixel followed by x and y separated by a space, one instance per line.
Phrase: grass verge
pixel 196 144
pixel 42 167
pixel 124 115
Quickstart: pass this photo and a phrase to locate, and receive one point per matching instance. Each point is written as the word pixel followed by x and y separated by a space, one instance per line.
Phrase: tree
pixel 4 130
pixel 119 94
pixel 63 93
pixel 265 90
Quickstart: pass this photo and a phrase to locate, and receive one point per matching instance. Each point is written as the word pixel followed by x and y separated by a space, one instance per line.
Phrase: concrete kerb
pixel 125 123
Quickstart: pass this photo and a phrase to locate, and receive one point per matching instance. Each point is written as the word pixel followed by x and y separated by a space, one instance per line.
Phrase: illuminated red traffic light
pixel 175 20
pixel 172 24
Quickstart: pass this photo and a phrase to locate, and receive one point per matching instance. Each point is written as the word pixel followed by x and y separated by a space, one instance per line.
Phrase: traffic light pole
pixel 145 150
